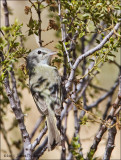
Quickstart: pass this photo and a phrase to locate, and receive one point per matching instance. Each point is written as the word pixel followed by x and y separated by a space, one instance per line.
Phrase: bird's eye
pixel 39 52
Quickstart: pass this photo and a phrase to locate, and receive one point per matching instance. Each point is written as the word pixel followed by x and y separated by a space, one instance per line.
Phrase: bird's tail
pixel 53 132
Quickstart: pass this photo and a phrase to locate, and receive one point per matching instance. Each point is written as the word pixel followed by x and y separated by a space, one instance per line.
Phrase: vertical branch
pixel 76 119
pixel 96 141
pixel 19 116
pixel 63 151
pixel 39 121
pixel 39 23
pixel 14 90
pixel 119 93
pixel 83 71
pixel 112 131
pixel 111 139
pixel 38 11
pixel 83 49
pixel 6 12
pixel 63 32
pixel 107 107
pixel 14 99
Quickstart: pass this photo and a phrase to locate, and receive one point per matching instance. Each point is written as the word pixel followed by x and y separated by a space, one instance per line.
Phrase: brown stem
pixel 39 23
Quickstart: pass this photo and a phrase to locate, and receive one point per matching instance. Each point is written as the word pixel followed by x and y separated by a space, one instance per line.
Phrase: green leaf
pixel 83 120
pixel 64 21
pixel 86 15
pixel 111 58
pixel 91 60
pixel 81 34
pixel 98 4
pixel 16 44
pixel 31 23
pixel 98 41
pixel 30 32
pixel 66 43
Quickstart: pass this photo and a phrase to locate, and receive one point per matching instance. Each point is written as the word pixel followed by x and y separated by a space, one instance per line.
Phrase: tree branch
pixel 110 92
pixel 63 33
pixel 19 156
pixel 6 12
pixel 38 139
pixel 86 54
pixel 111 121
pixel 13 97
pixel 41 149
pixel 39 23
pixel 19 116
pixel 63 151
pixel 107 107
pixel 111 139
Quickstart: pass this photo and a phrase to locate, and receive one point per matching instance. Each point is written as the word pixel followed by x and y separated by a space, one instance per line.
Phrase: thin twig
pixel 107 107
pixel 48 43
pixel 110 92
pixel 6 12
pixel 39 24
pixel 63 32
pixel 110 123
pixel 86 54
pixel 99 88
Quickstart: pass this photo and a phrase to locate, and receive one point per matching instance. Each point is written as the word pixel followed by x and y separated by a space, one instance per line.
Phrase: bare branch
pixel 119 94
pixel 6 12
pixel 19 156
pixel 99 88
pixel 63 32
pixel 86 54
pixel 111 121
pixel 48 43
pixel 41 149
pixel 14 99
pixel 39 23
pixel 107 107
pixel 114 62
pixel 97 140
pixel 63 132
pixel 111 139
pixel 110 92
pixel 19 116
pixel 37 141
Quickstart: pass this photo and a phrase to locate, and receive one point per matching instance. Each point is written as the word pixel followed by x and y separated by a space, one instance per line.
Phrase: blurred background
pixel 106 78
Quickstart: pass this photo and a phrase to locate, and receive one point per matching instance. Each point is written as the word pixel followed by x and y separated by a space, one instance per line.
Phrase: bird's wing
pixel 40 102
pixel 55 93
pixel 46 90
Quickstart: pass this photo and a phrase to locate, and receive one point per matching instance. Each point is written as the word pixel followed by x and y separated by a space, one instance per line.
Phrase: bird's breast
pixel 44 77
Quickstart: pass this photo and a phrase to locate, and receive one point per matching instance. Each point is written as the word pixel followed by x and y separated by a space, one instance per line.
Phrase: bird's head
pixel 39 56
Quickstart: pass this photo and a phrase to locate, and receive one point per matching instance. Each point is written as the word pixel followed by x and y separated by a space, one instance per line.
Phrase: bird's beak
pixel 51 54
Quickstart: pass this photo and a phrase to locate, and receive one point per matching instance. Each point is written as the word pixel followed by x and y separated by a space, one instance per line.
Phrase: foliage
pixel 12 48
pixel 79 25
pixel 75 149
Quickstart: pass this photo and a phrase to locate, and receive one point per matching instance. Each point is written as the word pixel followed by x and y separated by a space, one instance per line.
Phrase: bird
pixel 45 87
